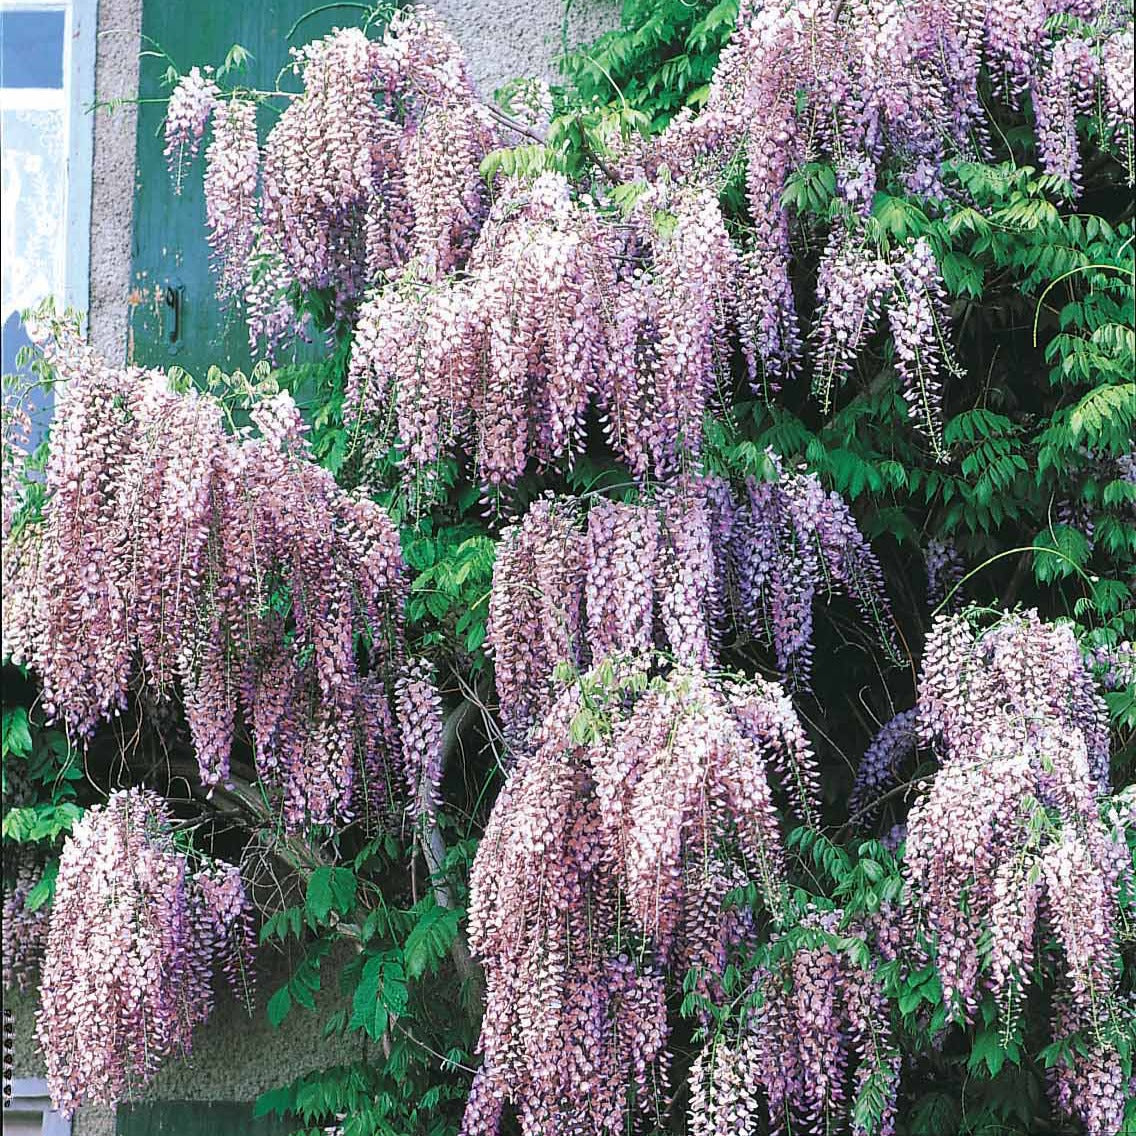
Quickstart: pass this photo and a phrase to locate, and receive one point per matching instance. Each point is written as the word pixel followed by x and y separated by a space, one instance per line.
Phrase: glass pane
pixel 31 49
pixel 32 233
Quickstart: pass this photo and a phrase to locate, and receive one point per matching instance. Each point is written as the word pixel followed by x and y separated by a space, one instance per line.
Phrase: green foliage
pixel 659 60
pixel 449 594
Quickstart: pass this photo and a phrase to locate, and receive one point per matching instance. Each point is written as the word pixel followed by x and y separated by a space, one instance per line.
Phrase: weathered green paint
pixel 170 247
pixel 195 1118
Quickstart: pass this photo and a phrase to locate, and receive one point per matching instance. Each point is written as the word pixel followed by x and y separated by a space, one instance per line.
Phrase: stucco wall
pixel 504 39
pixel 112 194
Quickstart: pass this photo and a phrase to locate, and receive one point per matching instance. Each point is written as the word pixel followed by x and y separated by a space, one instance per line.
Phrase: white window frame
pixel 80 29
pixel 29 1095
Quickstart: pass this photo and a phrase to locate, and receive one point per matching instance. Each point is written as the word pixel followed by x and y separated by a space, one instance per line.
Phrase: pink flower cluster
pixel 862 85
pixel 420 716
pixel 1011 831
pixel 373 164
pixel 673 573
pixel 229 569
pixel 192 102
pixel 231 169
pixel 559 310
pixel 635 810
pixel 134 940
pixel 818 1014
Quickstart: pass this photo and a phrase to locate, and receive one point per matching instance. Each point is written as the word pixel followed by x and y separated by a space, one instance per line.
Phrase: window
pixel 47 56
pixel 28 1112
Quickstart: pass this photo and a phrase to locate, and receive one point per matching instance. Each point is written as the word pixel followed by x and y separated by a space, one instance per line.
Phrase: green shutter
pixel 194 1118
pixel 170 248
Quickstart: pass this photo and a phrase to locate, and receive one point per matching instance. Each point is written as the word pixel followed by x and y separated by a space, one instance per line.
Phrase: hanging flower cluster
pixel 673 574
pixel 878 770
pixel 192 102
pixel 607 864
pixel 134 942
pixel 24 930
pixel 559 310
pixel 227 567
pixel 945 572
pixel 869 86
pixel 789 539
pixel 231 169
pixel 372 172
pixel 853 286
pixel 818 1012
pixel 1011 829
pixel 420 716
pixel 865 85
pixel 376 161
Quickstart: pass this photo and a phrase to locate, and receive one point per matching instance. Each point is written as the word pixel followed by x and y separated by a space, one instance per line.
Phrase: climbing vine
pixel 672 657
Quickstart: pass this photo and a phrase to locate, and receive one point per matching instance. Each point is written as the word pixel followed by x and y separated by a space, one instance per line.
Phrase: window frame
pixel 29 1094
pixel 76 97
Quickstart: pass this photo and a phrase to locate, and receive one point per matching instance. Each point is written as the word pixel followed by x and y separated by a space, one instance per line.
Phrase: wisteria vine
pixel 135 940
pixel 225 569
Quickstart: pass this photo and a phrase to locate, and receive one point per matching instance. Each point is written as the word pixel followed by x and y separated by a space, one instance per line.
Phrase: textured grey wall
pixel 504 39
pixel 112 196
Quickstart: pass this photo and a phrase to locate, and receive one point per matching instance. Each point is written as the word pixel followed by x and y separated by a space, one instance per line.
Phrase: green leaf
pixel 1062 550
pixel 44 891
pixel 278 1101
pixel 17 737
pixel 381 994
pixel 330 889
pixel 278 1006
pixel 987 1051
pixel 430 939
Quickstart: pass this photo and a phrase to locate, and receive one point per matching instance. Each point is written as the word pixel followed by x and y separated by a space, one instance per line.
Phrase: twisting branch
pixel 433 845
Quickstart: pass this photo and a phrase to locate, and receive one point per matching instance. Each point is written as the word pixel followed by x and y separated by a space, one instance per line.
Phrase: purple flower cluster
pixel 1119 94
pixel 231 168
pixel 789 539
pixel 192 101
pixel 134 941
pixel 1011 831
pixel 632 813
pixel 852 285
pixel 819 1013
pixel 373 164
pixel 919 320
pixel 1065 91
pixel 229 569
pixel 862 85
pixel 420 719
pixel 559 310
pixel 879 768
pixel 673 573
pixel 945 571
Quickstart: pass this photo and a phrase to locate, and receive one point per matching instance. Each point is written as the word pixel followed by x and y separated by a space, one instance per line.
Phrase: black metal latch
pixel 175 307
